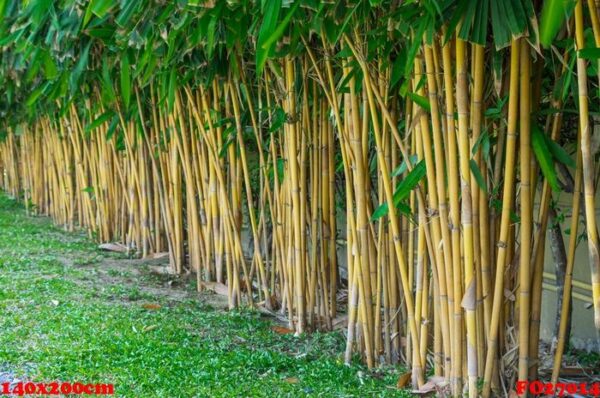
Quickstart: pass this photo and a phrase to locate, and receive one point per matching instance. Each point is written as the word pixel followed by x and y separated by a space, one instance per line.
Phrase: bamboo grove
pixel 389 166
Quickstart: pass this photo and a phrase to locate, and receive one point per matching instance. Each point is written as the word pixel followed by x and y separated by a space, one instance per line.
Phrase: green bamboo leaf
pixel 397 66
pixel 457 16
pixel 341 29
pixel 421 101
pixel 480 23
pixel 559 153
pixel 278 32
pixel 415 45
pixel 589 53
pixel 380 211
pixel 277 120
pixel 501 32
pixel 405 186
pixel 330 29
pixel 105 34
pixel 97 7
pixel 88 15
pixel 403 166
pixel 230 136
pixel 268 26
pixel 39 11
pixel 36 64
pixel 477 174
pixel 533 30
pixel 516 18
pixel 50 69
pixel 107 85
pixel 213 18
pixel 12 37
pixel 80 67
pixel 510 18
pixel 112 128
pixel 554 15
pixel 467 19
pixel 402 192
pixel 150 67
pixel 125 80
pixel 543 156
pixel 344 84
pixel 383 210
pixel 280 164
pixel 566 80
pixel 99 121
pixel 60 86
pixel 127 11
pixel 101 7
pixel 495 112
pixel 172 88
pixel 34 96
pixel 483 144
pixel 210 35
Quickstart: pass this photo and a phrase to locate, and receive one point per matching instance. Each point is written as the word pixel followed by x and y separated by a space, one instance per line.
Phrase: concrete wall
pixel 583 331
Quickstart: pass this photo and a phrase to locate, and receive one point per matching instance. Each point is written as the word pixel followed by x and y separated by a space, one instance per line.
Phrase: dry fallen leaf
pixel 430 386
pixel 151 306
pixel 161 269
pixel 292 380
pixel 340 322
pixel 509 295
pixel 361 376
pixel 281 330
pixel 159 255
pixel 273 302
pixel 426 388
pixel 403 380
pixel 219 288
pixel 149 328
pixel 113 247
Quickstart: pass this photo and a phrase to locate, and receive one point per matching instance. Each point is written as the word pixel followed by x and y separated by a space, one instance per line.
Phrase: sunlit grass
pixel 54 327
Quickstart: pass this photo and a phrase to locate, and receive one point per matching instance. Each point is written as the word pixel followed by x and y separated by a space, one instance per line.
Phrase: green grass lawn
pixel 61 322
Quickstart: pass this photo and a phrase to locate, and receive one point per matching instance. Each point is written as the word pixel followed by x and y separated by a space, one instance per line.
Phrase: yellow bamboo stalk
pixel 507 200
pixel 587 164
pixel 469 300
pixel 526 217
pixel 417 368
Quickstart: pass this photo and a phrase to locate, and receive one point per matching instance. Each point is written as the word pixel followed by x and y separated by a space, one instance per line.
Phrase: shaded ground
pixel 73 313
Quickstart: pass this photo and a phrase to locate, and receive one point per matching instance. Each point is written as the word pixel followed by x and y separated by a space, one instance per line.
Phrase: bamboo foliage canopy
pixel 388 166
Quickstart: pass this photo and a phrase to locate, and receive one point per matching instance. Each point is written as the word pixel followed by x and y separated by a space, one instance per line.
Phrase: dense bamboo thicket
pixel 254 141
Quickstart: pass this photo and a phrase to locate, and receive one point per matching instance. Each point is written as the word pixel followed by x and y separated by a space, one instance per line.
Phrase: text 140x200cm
pixel 56 388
